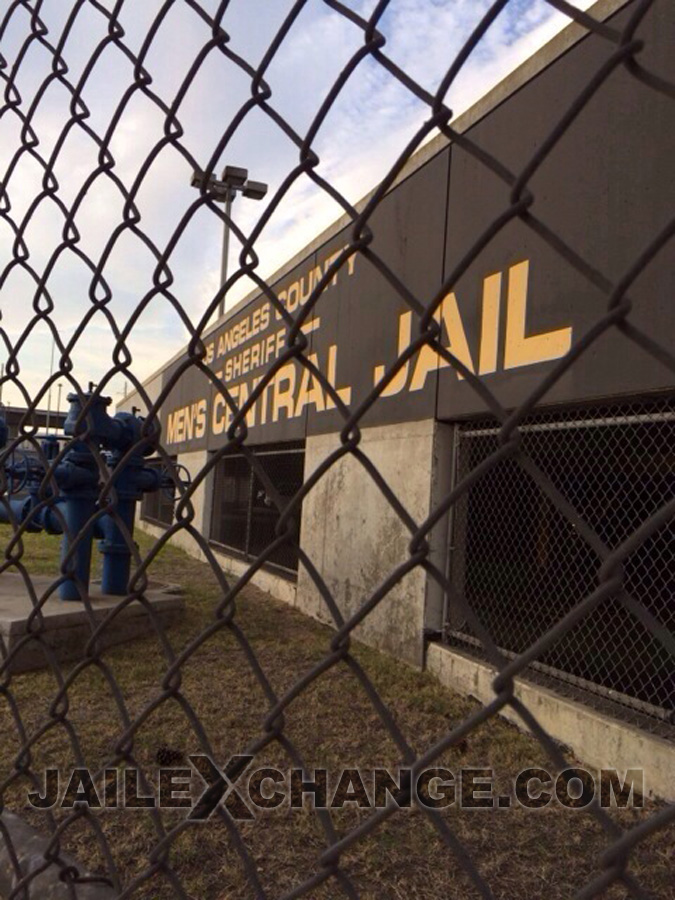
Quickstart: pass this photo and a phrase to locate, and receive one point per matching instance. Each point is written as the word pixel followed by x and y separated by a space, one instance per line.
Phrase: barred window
pixel 157 506
pixel 522 565
pixel 244 517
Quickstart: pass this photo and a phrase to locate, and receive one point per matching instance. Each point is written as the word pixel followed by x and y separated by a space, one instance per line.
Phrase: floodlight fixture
pixel 234 179
pixel 234 176
pixel 255 190
pixel 198 178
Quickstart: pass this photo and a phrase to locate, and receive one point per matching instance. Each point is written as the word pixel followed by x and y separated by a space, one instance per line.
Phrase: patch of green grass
pixel 522 854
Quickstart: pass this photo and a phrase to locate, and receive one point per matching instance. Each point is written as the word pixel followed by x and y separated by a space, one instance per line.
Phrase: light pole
pixel 59 388
pixel 49 392
pixel 234 180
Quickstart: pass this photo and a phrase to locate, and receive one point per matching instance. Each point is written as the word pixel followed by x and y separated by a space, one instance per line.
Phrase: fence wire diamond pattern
pixel 21 106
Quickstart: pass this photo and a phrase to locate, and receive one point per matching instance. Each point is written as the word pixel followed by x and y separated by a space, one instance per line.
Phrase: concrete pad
pixel 31 847
pixel 595 739
pixel 67 626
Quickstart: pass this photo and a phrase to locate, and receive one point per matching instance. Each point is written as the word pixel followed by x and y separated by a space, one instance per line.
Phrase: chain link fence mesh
pixel 522 565
pixel 589 564
pixel 245 516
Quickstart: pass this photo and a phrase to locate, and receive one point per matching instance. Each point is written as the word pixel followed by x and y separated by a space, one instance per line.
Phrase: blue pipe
pixel 23 509
pixel 117 434
pixel 77 478
pixel 130 483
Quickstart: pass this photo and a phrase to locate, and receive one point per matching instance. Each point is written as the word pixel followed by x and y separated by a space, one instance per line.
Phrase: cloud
pixel 365 130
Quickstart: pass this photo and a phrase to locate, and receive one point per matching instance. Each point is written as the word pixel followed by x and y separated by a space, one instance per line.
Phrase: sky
pixel 366 129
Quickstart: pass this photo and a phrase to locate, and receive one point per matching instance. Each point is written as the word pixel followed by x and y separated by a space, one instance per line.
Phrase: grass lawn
pixel 547 853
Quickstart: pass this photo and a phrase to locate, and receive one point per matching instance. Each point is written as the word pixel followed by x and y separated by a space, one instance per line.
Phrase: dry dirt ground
pixel 522 854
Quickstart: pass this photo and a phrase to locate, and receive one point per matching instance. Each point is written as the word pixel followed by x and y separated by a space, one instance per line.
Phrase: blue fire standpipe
pixel 117 435
pixel 77 477
pixel 133 480
pixel 25 477
pixel 30 475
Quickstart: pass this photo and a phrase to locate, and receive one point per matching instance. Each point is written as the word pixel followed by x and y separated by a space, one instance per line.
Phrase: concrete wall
pixel 194 463
pixel 595 739
pixel 279 587
pixel 353 535
pixel 355 539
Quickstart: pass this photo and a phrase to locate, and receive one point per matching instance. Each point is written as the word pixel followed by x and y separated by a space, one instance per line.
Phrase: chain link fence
pixel 522 565
pixel 575 573
pixel 157 507
pixel 244 515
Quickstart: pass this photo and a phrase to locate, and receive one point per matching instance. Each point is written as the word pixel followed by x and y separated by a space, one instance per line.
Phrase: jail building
pixel 601 434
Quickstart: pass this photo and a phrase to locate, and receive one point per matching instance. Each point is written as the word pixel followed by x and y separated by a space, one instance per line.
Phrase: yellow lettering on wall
pixel 428 359
pixel 243 397
pixel 173 427
pixel 283 398
pixel 310 389
pixel 264 317
pixel 218 415
pixel 293 297
pixel 520 350
pixel 457 342
pixel 200 419
pixel 312 325
pixel 489 332
pixel 399 380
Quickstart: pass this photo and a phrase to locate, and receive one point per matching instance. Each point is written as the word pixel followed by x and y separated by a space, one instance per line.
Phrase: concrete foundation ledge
pixel 595 739
pixel 67 626
pixel 29 846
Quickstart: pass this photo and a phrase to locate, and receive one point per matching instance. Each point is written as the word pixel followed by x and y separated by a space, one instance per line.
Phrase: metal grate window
pixel 157 506
pixel 522 566
pixel 244 517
